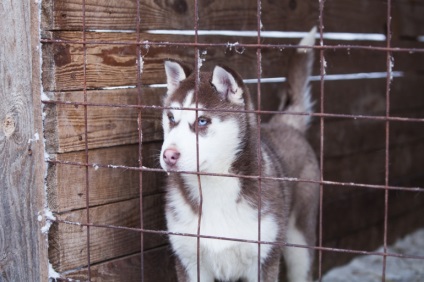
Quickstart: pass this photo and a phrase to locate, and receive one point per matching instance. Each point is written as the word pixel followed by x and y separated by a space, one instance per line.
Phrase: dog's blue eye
pixel 171 118
pixel 202 121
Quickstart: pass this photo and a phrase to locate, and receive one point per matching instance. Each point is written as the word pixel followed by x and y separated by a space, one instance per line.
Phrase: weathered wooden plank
pixel 347 16
pixel 68 243
pixel 23 248
pixel 121 269
pixel 356 232
pixel 368 96
pixel 345 137
pixel 233 15
pixel 107 126
pixel 408 17
pixel 346 60
pixel 66 184
pixel 115 64
pixel 370 238
pixel 158 266
pixel 406 161
pixel 344 140
pixel 355 97
pixel 352 204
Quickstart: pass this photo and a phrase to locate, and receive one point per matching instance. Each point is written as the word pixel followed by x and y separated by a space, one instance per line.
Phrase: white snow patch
pixel 119 87
pixel 231 45
pixel 392 64
pixel 36 138
pixel 46 155
pixel 48 215
pixel 200 60
pixel 44 96
pixel 141 64
pixel 324 64
pixel 369 268
pixel 113 30
pixel 345 36
pixel 52 273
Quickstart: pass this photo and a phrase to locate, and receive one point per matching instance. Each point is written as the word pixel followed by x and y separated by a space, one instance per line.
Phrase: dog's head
pixel 217 126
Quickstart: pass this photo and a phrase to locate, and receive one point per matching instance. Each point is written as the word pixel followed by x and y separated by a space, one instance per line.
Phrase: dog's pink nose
pixel 171 156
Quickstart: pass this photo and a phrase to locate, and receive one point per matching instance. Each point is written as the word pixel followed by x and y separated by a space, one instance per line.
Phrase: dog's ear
pixel 175 73
pixel 228 84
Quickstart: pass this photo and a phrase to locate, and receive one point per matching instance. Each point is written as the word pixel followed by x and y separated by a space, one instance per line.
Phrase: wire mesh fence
pixel 142 82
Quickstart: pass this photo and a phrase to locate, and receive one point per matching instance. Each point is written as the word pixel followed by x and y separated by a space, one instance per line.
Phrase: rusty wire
pixel 244 45
pixel 196 92
pixel 87 181
pixel 258 132
pixel 282 244
pixel 321 142
pixel 140 140
pixel 322 47
pixel 387 129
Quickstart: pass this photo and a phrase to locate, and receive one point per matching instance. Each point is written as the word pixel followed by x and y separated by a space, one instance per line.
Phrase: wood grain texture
pixel 68 243
pixel 179 14
pixel 354 151
pixel 23 249
pixel 349 202
pixel 346 16
pixel 370 238
pixel 348 137
pixel 368 96
pixel 107 126
pixel 113 64
pixel 159 266
pixel 66 184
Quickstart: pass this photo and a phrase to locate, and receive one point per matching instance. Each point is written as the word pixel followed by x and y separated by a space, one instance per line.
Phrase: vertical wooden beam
pixel 23 248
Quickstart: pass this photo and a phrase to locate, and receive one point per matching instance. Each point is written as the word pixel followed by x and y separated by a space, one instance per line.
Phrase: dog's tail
pixel 297 97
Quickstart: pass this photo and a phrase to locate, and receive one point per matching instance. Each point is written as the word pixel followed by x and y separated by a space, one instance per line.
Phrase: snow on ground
pixel 369 268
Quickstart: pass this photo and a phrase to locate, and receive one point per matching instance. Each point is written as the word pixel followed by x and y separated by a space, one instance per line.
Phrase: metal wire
pixel 258 134
pixel 262 112
pixel 321 142
pixel 322 115
pixel 387 145
pixel 281 244
pixel 87 181
pixel 196 93
pixel 244 45
pixel 140 139
pixel 254 177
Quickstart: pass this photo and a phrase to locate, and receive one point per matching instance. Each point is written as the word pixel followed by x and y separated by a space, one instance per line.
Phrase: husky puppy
pixel 227 142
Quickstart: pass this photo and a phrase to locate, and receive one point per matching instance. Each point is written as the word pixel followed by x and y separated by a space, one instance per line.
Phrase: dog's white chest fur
pixel 224 214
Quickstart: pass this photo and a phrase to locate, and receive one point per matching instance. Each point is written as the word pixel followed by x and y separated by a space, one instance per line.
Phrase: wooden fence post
pixel 23 248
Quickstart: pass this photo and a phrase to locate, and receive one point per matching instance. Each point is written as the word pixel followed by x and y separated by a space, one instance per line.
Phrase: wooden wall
pixel 23 248
pixel 354 149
